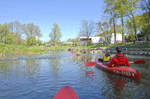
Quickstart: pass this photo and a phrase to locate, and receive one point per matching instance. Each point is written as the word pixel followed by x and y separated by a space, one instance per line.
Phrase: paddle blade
pixel 89 64
pixel 66 92
pixel 139 62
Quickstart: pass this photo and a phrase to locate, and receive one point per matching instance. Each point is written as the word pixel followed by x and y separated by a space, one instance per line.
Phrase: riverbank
pixel 18 50
pixel 138 48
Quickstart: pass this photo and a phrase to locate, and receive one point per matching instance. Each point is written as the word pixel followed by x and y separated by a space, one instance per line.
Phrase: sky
pixel 68 14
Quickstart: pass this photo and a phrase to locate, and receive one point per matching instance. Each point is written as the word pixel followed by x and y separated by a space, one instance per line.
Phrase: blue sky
pixel 67 13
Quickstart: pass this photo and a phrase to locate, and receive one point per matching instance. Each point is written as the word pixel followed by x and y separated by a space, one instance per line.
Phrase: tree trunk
pixel 149 17
pixel 134 26
pixel 114 24
pixel 122 30
pixel 5 37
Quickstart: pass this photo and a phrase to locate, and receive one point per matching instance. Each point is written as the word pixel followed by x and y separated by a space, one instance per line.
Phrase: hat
pixel 107 54
pixel 118 49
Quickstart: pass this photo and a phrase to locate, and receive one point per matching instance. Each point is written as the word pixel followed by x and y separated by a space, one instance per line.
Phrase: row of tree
pixel 132 22
pixel 131 18
pixel 26 34
pixel 17 33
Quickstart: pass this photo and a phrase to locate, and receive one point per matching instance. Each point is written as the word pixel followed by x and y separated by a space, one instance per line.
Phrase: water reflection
pixel 56 64
pixel 90 73
pixel 32 67
pixel 40 77
pixel 5 67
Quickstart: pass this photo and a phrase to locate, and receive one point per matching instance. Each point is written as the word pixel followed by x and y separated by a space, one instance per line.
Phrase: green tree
pixel 132 7
pixel 104 29
pixel 31 30
pixel 39 42
pixel 4 30
pixel 75 41
pixel 31 41
pixel 87 29
pixel 55 34
pixel 32 33
pixel 113 15
pixel 16 29
pixel 121 8
pixel 145 4
pixel 146 8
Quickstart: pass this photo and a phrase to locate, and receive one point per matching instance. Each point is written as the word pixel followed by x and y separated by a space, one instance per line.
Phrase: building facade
pixel 98 40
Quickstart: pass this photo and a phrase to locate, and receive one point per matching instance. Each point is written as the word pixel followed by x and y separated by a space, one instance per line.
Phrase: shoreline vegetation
pixel 19 50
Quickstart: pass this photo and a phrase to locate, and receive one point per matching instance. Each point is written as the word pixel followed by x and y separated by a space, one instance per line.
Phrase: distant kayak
pixel 66 92
pixel 78 54
pixel 123 70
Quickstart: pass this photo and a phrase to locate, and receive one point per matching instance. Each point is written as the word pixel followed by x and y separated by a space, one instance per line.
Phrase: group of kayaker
pixel 118 60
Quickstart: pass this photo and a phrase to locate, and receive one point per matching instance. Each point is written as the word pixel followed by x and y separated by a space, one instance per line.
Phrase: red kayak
pixel 66 92
pixel 123 71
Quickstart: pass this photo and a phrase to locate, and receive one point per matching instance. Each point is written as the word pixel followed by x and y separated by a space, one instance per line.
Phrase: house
pixel 100 39
pixel 118 38
pixel 94 40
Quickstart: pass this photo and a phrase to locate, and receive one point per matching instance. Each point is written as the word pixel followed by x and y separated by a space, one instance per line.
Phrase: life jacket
pixel 119 60
pixel 106 59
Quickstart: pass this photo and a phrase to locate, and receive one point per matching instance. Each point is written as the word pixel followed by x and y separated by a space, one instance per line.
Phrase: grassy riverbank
pixel 128 45
pixel 16 50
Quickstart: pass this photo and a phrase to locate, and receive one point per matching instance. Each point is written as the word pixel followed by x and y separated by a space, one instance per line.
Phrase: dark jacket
pixel 119 60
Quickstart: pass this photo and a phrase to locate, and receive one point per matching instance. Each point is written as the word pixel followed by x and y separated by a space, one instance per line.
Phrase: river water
pixel 41 77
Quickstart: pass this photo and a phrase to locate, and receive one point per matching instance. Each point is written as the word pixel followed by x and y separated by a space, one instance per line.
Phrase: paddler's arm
pixel 111 63
pixel 128 63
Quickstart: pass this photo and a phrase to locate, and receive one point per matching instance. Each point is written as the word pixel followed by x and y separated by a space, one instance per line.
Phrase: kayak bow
pixel 66 92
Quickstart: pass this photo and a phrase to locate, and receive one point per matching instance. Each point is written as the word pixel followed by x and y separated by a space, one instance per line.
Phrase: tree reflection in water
pixel 32 67
pixel 55 62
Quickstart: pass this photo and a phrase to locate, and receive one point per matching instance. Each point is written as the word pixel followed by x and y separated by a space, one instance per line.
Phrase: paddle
pixel 90 64
pixel 138 62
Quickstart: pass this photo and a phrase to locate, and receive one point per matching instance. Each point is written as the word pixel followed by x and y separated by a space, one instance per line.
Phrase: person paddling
pixel 119 59
pixel 107 57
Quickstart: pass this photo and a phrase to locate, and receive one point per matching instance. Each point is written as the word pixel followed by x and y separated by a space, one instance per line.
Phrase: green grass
pixel 15 50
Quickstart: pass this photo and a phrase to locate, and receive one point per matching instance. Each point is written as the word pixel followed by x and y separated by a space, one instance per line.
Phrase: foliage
pixel 4 30
pixel 31 41
pixel 31 30
pixel 113 15
pixel 126 10
pixel 87 28
pixel 130 37
pixel 39 42
pixel 104 29
pixel 55 34
pixel 13 33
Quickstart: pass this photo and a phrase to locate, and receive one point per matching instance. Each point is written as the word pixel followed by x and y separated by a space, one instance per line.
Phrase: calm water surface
pixel 40 77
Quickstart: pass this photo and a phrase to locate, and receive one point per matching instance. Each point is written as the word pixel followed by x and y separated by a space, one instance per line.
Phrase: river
pixel 41 77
